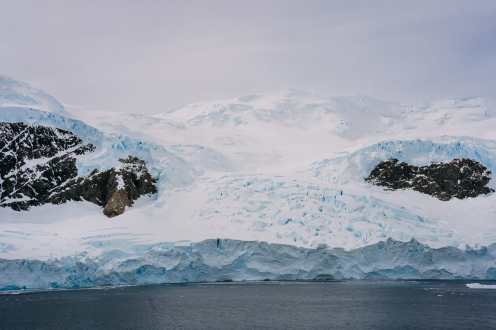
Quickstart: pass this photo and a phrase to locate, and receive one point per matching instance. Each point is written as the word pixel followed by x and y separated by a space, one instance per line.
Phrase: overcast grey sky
pixel 149 56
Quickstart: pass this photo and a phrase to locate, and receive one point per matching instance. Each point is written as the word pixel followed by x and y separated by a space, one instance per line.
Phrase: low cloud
pixel 149 56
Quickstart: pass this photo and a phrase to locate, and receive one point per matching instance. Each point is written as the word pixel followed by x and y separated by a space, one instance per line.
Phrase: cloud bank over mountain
pixel 151 56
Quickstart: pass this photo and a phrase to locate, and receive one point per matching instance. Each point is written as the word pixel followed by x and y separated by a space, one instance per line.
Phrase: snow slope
pixel 284 167
pixel 16 94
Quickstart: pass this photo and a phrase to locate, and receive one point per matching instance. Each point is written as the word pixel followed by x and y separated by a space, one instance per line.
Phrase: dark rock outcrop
pixel 33 161
pixel 459 178
pixel 114 189
pixel 38 166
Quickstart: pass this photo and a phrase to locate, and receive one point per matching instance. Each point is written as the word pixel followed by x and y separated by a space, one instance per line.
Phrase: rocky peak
pixel 38 166
pixel 33 161
pixel 459 178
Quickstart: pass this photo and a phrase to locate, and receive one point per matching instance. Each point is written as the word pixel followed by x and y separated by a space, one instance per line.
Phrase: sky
pixel 152 56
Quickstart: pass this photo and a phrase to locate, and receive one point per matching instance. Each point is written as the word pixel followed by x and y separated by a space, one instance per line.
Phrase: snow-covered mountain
pixel 286 167
pixel 17 94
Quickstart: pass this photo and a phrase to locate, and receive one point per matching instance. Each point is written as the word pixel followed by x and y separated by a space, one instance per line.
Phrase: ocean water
pixel 266 305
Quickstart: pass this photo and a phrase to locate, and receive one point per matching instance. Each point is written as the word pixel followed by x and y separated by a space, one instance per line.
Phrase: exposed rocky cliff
pixel 460 178
pixel 114 189
pixel 38 166
pixel 34 160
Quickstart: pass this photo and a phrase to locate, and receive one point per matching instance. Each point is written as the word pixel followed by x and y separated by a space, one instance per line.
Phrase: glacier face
pixel 226 260
pixel 285 168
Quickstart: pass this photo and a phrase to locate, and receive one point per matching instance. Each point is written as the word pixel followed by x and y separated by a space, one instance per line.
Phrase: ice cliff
pixel 226 260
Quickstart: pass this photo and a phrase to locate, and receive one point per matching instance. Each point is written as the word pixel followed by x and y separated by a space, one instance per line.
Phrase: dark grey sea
pixel 266 305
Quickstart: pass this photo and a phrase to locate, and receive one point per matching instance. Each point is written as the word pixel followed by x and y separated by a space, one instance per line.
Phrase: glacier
pixel 279 177
pixel 232 260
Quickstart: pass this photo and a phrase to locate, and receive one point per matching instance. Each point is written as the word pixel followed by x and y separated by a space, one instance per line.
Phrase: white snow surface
pixel 283 167
pixel 17 94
